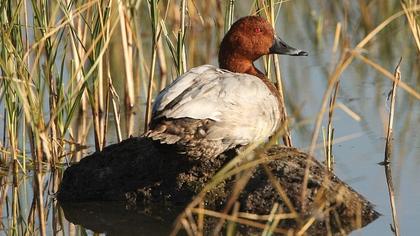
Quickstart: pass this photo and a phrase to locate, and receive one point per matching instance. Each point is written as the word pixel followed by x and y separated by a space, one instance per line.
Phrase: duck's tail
pixel 159 134
pixel 188 135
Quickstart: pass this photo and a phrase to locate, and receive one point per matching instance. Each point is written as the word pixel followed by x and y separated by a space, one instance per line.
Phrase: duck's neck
pixel 236 63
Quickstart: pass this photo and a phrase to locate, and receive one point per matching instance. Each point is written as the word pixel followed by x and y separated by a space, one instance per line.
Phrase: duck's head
pixel 248 39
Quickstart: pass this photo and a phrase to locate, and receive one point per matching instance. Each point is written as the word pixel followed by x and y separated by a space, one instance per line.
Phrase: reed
pixel 388 149
pixel 272 14
pixel 154 19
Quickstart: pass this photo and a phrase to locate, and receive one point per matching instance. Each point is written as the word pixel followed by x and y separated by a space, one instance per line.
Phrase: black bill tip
pixel 280 47
pixel 302 53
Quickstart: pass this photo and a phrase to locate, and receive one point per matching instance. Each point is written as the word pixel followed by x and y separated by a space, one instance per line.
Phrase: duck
pixel 209 110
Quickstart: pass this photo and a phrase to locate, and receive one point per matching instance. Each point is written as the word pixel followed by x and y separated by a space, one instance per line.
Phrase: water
pixel 115 218
pixel 362 89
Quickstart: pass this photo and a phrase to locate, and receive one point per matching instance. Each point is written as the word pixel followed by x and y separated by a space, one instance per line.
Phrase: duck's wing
pixel 174 100
pixel 242 106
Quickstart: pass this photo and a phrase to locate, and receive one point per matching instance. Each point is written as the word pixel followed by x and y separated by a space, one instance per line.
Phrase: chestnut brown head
pixel 250 38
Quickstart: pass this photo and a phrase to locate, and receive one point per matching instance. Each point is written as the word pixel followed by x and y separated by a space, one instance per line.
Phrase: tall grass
pixel 73 73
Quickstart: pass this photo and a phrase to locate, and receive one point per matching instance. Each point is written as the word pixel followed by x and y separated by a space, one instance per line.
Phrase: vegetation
pixel 76 74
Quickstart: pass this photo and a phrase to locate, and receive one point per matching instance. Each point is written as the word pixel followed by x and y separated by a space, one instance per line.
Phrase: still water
pixel 362 89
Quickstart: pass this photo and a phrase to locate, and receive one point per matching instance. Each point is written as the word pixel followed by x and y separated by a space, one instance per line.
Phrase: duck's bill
pixel 280 47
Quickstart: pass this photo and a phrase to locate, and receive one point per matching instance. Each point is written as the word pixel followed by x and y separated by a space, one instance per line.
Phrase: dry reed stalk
pixel 3 194
pixel 305 227
pixel 30 229
pixel 72 229
pixel 99 103
pixel 229 15
pixel 239 220
pixel 359 220
pixel 38 193
pixel 339 224
pixel 14 228
pixel 251 216
pixel 191 222
pixel 242 180
pixel 388 150
pixel 154 14
pixel 162 64
pixel 287 138
pixel 57 223
pixel 270 220
pixel 330 129
pixel 231 225
pixel 274 223
pixel 14 165
pixel 348 111
pixel 187 228
pixel 99 90
pixel 77 53
pixel 282 193
pixel 391 96
pixel 49 52
pixel 129 123
pixel 81 85
pixel 80 135
pixel 148 115
pixel 111 93
pixel 412 19
pixel 391 193
pixel 200 220
pixel 366 15
pixel 182 65
pixel 105 116
pixel 336 37
pixel 99 111
pixel 39 202
pixel 115 101
pixel 127 41
pixel 104 71
pixel 97 121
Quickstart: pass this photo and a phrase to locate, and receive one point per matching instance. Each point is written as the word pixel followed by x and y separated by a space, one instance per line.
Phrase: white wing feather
pixel 243 107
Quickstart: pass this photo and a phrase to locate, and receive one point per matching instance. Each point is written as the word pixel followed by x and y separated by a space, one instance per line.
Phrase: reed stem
pixel 287 138
pixel 155 29
pixel 391 96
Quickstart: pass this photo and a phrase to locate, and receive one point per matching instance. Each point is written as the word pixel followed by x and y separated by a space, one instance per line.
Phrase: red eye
pixel 257 30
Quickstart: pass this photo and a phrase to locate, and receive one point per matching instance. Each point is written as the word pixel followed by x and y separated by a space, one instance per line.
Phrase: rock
pixel 139 170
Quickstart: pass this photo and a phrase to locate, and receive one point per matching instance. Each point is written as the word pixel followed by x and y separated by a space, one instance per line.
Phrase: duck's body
pixel 208 110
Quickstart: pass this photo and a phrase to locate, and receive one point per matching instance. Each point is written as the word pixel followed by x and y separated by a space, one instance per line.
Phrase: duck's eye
pixel 257 30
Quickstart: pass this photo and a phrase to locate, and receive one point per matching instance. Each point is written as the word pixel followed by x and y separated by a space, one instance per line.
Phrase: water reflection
pixel 116 218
